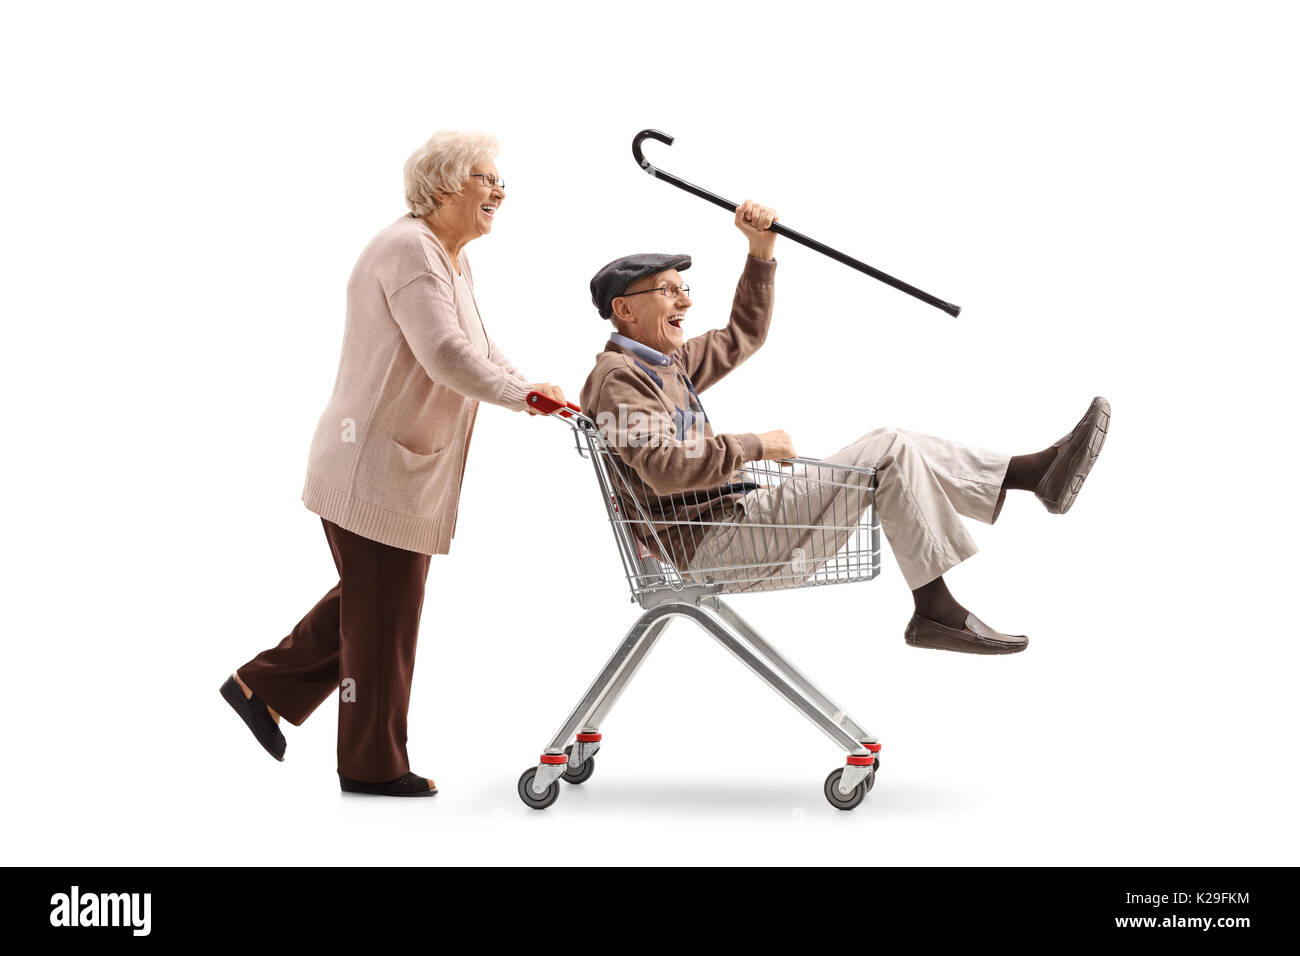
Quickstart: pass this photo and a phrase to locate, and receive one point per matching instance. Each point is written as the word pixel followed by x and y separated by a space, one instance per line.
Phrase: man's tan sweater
pixel 683 475
pixel 388 457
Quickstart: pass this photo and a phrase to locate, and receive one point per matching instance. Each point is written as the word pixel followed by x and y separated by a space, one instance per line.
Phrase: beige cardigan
pixel 388 458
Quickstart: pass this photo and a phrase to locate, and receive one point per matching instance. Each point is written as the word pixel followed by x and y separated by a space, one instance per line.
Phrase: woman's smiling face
pixel 472 211
pixel 652 318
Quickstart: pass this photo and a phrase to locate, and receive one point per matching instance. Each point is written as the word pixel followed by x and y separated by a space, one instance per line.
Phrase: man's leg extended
pixel 918 509
pixel 921 523
pixel 969 474
pixel 818 513
pixel 971 477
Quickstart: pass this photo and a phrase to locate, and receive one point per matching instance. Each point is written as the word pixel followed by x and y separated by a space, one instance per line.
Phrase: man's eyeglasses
pixel 668 291
pixel 492 182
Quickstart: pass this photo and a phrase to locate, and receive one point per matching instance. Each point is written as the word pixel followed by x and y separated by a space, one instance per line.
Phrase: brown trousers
pixel 358 640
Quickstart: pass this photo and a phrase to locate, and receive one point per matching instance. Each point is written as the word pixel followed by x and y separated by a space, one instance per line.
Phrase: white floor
pixel 1114 739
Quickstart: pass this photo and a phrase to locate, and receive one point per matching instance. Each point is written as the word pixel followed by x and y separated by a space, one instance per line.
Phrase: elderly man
pixel 644 395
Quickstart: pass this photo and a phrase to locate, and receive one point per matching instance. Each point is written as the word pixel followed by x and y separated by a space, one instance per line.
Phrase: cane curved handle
pixel 668 177
pixel 641 137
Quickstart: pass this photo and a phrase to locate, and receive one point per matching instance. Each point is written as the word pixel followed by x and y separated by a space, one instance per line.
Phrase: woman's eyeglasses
pixel 492 182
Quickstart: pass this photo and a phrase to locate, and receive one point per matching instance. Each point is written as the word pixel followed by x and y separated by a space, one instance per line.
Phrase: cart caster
pixel 583 773
pixel 538 801
pixel 855 796
pixel 875 752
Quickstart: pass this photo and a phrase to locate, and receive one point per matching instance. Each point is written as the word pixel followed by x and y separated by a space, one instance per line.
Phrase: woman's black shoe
pixel 256 715
pixel 407 785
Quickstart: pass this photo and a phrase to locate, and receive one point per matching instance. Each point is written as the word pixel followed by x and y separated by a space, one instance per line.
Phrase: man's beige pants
pixel 924 487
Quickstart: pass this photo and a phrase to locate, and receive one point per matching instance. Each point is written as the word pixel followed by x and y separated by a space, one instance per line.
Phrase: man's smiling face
pixel 652 318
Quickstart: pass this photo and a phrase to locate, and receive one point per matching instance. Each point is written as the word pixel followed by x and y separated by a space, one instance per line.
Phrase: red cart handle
pixel 546 405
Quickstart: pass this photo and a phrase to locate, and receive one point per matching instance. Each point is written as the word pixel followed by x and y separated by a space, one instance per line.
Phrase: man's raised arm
pixel 709 357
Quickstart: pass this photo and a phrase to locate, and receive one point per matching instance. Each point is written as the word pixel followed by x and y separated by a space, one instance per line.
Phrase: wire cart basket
pixel 813 524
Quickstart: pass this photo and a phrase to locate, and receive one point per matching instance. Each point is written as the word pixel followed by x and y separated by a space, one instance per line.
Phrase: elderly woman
pixel 386 468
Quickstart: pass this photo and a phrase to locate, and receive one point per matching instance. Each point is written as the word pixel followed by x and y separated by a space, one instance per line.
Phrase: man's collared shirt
pixel 683 418
pixel 653 356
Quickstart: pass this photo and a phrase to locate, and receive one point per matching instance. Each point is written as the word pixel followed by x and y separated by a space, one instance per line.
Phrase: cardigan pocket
pixel 417 455
pixel 419 478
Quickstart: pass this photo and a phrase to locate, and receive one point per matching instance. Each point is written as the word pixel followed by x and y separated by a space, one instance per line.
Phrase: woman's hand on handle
pixel 550 391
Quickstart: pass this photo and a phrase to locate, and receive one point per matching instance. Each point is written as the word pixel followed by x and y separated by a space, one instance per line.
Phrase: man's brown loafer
pixel 975 638
pixel 1077 451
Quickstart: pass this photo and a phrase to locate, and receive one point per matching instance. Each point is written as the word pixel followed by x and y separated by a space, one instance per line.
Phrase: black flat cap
pixel 613 279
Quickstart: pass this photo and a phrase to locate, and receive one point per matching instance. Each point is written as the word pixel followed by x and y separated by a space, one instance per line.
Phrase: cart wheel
pixel 583 773
pixel 838 800
pixel 527 795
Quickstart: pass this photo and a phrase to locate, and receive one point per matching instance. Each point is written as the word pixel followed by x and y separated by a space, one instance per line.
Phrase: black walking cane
pixel 777 228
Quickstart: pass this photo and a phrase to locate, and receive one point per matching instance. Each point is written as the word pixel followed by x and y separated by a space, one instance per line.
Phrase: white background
pixel 1108 190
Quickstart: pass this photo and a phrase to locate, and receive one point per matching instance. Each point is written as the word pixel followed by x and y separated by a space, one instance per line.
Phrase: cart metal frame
pixel 664 594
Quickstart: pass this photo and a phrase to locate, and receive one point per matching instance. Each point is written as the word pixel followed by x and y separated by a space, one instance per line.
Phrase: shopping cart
pixel 815 525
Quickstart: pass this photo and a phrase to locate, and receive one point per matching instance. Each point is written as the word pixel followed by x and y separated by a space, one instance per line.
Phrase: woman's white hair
pixel 443 164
